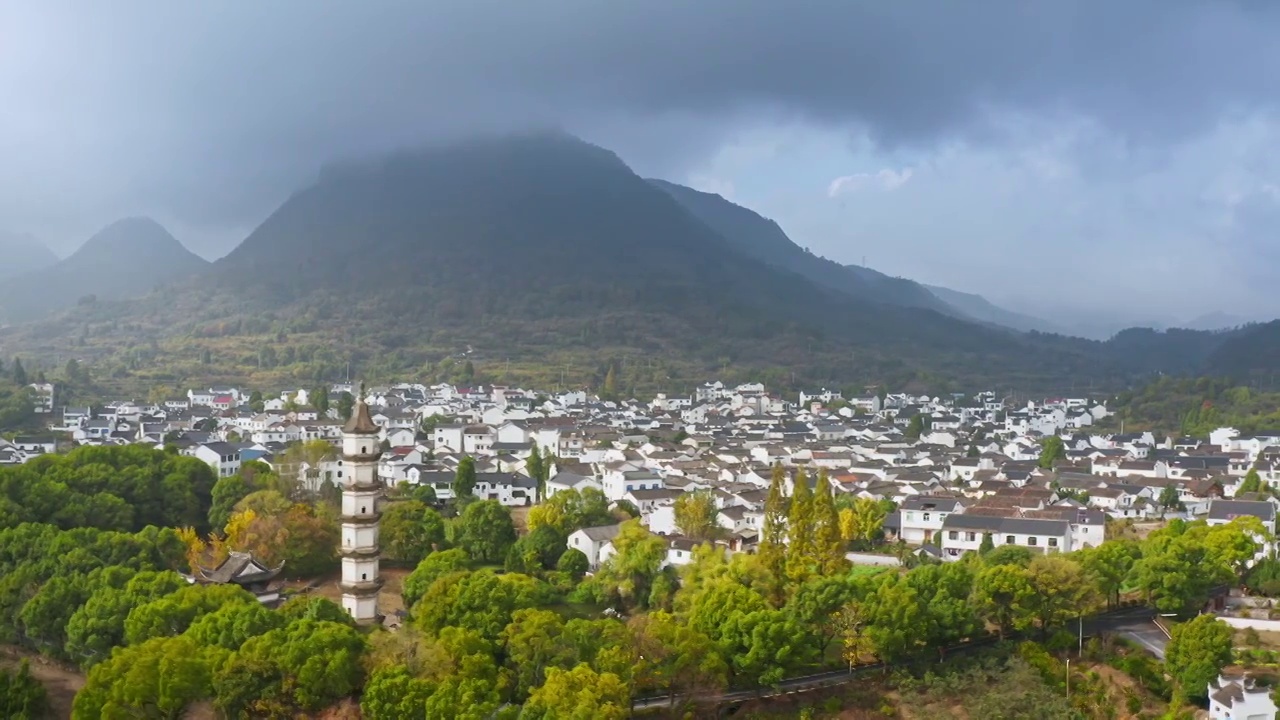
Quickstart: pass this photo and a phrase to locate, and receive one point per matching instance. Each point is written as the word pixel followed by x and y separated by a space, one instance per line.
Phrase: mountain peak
pixel 127 258
pixel 131 234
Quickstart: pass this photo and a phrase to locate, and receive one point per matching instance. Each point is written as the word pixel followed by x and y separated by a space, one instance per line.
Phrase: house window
pixel 364 576
pixel 911 516
pixel 1053 542
pixel 1031 541
pixel 364 449
pixel 970 536
pixel 1008 539
pixel 926 517
pixel 953 535
pixel 364 509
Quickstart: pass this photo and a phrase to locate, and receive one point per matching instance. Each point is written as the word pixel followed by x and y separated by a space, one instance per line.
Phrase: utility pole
pixel 1068 680
pixel 1080 649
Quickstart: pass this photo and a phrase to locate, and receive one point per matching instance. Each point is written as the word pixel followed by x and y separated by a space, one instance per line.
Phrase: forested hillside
pixel 546 261
pixel 764 240
pixel 1196 406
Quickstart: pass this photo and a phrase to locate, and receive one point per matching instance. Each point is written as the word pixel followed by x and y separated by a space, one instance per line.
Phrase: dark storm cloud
pixel 211 113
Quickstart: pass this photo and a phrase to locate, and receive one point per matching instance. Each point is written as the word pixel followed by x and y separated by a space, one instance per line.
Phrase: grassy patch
pixel 868 570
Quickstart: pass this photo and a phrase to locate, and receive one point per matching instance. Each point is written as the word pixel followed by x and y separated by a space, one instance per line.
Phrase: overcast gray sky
pixel 1085 154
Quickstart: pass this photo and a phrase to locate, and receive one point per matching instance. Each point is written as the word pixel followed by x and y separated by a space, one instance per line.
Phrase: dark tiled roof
pixel 1232 509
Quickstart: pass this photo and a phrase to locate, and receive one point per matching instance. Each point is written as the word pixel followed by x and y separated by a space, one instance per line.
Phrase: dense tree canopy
pixel 1197 651
pixel 21 695
pixel 111 488
pixel 409 531
pixel 485 531
pixel 17 406
pixel 480 642
pixel 570 510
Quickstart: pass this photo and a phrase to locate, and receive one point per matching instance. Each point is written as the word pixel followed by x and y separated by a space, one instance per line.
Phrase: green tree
pixel 464 479
pixel 574 562
pixel 435 566
pixel 628 575
pixel 346 405
pixel 862 520
pixel 21 695
pixel 539 550
pixel 1169 500
pixel 1004 596
pixel 917 426
pixel 1108 566
pixel 410 531
pixel 987 546
pixel 539 470
pixel 695 514
pixel 611 383
pixel 817 602
pixel 45 616
pixel 231 625
pixel 1197 651
pixel 570 510
pixel 1252 483
pixel 828 545
pixel 800 531
pixel 1009 555
pixel 485 531
pixel 944 593
pixel 1181 562
pixel 534 643
pixel 1061 589
pixel 157 679
pixel 767 645
pixel 72 371
pixel 673 658
pixel 393 693
pixel 773 547
pixel 256 403
pixel 897 628
pixel 119 488
pixel 579 694
pixel 174 613
pixel 320 399
pixel 478 600
pixel 18 373
pixel 99 624
pixel 227 493
pixel 1052 450
pixel 304 667
pixel 709 605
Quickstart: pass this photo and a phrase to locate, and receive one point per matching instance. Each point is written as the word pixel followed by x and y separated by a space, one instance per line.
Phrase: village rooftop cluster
pixel 958 469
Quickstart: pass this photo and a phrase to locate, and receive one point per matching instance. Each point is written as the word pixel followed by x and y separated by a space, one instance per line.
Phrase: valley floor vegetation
pixel 507 624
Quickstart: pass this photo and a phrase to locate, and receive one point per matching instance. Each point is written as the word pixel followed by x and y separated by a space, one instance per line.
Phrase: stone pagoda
pixel 361 490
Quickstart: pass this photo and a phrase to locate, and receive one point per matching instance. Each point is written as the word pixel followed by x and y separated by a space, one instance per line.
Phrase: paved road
pixel 1134 623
